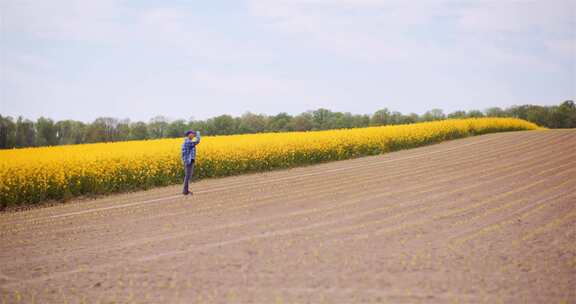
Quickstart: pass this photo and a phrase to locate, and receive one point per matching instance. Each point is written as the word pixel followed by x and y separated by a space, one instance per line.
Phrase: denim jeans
pixel 189 171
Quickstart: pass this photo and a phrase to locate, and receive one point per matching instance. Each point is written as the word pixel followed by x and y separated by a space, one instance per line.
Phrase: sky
pixel 192 59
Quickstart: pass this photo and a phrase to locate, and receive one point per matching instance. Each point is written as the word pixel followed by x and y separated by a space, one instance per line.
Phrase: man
pixel 189 157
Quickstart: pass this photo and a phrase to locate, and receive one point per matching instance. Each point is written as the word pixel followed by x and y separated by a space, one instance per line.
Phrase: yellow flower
pixel 36 174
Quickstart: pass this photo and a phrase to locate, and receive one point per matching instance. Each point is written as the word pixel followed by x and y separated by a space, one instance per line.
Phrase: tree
pixel 123 130
pixel 221 125
pixel 158 127
pixel 138 131
pixel 341 121
pixel 279 123
pixel 457 114
pixel 103 129
pixel 96 132
pixel 413 117
pixel 321 118
pixel 565 115
pixel 434 114
pixel 7 132
pixel 475 114
pixel 518 111
pixel 409 119
pixel 396 118
pixel 25 133
pixel 252 123
pixel 495 112
pixel 177 128
pixel 46 132
pixel 70 132
pixel 380 118
pixel 359 121
pixel 199 125
pixel 79 132
pixel 64 132
pixel 538 115
pixel 302 122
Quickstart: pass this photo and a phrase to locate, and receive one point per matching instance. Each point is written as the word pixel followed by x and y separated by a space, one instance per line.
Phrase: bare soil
pixel 488 219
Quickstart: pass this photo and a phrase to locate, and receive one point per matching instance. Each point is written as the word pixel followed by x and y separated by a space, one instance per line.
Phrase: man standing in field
pixel 189 156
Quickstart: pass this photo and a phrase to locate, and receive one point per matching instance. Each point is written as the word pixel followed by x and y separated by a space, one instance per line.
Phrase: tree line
pixel 22 132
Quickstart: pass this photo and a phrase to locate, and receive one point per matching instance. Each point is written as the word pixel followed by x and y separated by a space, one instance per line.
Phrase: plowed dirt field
pixel 488 219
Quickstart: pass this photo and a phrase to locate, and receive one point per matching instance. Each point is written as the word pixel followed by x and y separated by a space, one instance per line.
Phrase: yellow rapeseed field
pixel 37 174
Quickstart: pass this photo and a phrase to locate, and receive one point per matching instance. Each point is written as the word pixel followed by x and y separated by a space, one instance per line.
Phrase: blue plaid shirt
pixel 189 149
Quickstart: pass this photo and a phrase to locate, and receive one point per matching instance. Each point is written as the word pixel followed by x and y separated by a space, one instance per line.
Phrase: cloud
pixel 62 19
pixel 111 22
pixel 565 47
pixel 167 19
pixel 329 25
pixel 95 22
pixel 301 54
pixel 556 16
pixel 245 83
pixel 370 30
pixel 384 31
